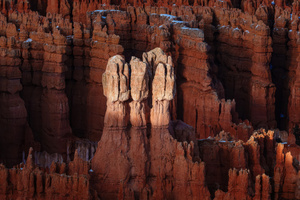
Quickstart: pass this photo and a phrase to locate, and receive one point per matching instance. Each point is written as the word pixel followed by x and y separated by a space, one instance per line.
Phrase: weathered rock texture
pixel 13 123
pixel 244 53
pixel 136 155
pixel 91 51
pixel 28 181
pixel 145 166
pixel 119 73
pixel 67 71
pixel 143 29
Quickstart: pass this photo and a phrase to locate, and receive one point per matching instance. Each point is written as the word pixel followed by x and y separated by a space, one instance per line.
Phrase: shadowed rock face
pixel 68 70
pixel 13 123
pixel 74 74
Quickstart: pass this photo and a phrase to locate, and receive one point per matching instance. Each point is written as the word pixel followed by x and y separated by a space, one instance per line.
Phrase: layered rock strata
pixel 13 119
pixel 91 51
pixel 220 52
pixel 244 54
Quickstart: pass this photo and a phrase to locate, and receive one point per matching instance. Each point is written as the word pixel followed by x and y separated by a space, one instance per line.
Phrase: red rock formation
pixel 135 163
pixel 140 75
pixel 56 71
pixel 279 65
pixel 13 123
pixel 245 46
pixel 257 155
pixel 52 6
pixel 27 181
pixel 163 86
pixel 32 78
pixel 54 102
pixel 87 99
pixel 238 186
pixel 116 89
pixel 285 174
pixel 293 104
pixel 161 36
pixel 285 67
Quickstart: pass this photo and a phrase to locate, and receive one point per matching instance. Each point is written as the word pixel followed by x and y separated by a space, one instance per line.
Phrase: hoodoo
pixel 149 100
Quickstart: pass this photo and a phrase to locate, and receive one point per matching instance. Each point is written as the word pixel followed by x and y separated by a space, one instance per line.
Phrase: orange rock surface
pixel 161 99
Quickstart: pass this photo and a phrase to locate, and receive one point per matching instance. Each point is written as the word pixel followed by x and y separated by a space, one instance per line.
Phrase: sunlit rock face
pixel 165 161
pixel 149 99
pixel 145 160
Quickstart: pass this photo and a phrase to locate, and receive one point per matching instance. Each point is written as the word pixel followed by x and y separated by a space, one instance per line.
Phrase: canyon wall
pixel 73 78
pixel 149 99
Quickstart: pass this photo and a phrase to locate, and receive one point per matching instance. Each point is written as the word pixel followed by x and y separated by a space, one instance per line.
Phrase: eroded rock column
pixel 139 83
pixel 54 102
pixel 12 108
pixel 163 86
pixel 115 82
